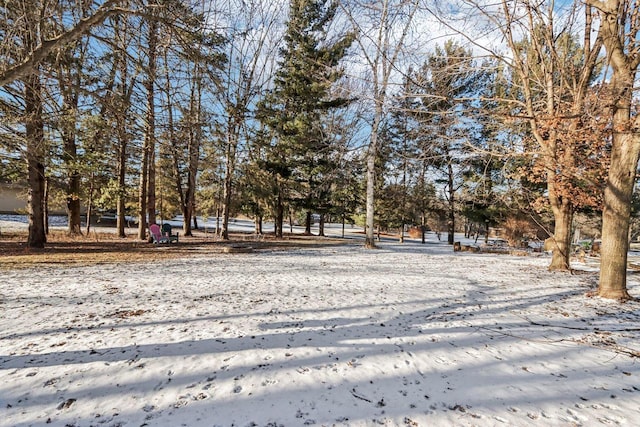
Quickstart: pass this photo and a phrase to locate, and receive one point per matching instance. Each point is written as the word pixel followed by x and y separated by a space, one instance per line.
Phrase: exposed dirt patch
pixel 100 248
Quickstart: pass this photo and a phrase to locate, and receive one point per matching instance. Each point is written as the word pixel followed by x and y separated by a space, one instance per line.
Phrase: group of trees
pixel 341 108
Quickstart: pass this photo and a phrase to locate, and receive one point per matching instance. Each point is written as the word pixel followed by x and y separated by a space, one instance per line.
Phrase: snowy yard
pixel 408 334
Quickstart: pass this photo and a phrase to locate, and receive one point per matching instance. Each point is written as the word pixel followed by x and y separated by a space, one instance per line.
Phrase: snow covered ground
pixel 406 335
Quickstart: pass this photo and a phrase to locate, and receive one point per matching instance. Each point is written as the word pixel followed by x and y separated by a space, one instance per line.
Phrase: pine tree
pixel 308 67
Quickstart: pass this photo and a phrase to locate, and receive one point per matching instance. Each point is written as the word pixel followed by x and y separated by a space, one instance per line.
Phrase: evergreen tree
pixel 292 110
pixel 445 84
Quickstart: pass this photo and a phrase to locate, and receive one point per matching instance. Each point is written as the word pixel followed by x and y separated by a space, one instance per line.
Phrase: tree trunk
pixel 74 216
pixel 122 174
pixel 257 221
pixel 45 204
pixel 187 210
pixel 73 176
pixel 69 86
pixel 230 161
pixel 561 255
pixel 151 184
pixel 321 226
pixel 150 136
pixel 369 241
pixel 307 223
pixel 34 128
pixel 89 204
pixel 625 151
pixel 451 218
pixel 279 215
pixel 616 216
pixel 142 193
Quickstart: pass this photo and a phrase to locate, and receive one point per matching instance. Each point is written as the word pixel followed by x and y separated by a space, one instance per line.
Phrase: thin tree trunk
pixel 150 136
pixel 279 223
pixel 89 204
pixel 321 226
pixel 122 173
pixel 45 204
pixel 372 153
pixel 307 223
pixel 257 221
pixel 71 158
pixel 230 161
pixel 151 185
pixel 142 193
pixel 451 218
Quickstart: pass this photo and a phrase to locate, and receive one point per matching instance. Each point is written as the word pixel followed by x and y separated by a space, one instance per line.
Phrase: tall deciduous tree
pixel 252 27
pixel 551 73
pixel 620 30
pixel 384 26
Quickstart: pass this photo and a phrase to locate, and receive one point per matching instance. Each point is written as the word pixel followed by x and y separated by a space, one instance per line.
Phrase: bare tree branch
pixel 23 68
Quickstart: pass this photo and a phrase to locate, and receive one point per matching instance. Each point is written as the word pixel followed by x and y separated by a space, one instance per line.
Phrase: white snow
pixel 408 334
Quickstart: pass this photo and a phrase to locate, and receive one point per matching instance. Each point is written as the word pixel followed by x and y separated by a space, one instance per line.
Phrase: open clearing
pixel 313 333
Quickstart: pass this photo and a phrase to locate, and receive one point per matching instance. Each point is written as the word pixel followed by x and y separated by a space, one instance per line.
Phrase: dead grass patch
pixel 103 248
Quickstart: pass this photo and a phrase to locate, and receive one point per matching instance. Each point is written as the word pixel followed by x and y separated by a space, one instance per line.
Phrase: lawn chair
pixel 167 233
pixel 156 234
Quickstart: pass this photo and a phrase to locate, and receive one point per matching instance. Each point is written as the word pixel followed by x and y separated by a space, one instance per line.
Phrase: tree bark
pixel 279 215
pixel 625 151
pixel 307 223
pixel 230 162
pixel 71 159
pixel 451 214
pixel 372 153
pixel 34 128
pixel 122 174
pixel 321 226
pixel 561 255
pixel 150 135
pixel 616 216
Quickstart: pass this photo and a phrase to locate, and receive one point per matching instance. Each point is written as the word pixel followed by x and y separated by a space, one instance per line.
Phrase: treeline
pixel 522 117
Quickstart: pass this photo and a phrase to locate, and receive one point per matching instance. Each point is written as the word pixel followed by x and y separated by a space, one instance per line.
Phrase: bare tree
pixel 40 49
pixel 620 29
pixel 383 27
pixel 250 53
pixel 551 77
pixel 146 190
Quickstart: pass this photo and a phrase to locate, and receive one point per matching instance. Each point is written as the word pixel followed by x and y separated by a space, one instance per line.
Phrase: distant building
pixel 13 198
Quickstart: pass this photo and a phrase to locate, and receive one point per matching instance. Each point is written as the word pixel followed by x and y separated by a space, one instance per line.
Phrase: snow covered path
pixel 407 334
